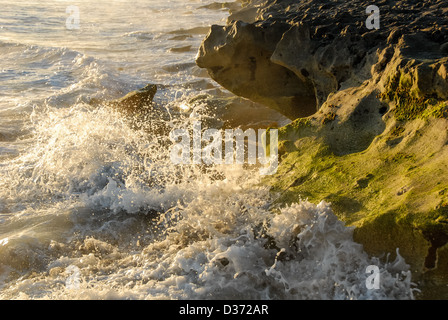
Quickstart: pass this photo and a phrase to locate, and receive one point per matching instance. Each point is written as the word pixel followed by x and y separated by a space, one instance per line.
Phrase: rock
pixel 138 108
pixel 444 48
pixel 370 115
pixel 232 6
pixel 293 52
pixel 247 15
pixel 291 55
pixel 180 49
pixel 229 111
pixel 238 57
pixel 133 102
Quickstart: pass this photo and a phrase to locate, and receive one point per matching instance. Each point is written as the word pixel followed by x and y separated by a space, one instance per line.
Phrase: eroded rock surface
pixel 370 111
pixel 291 55
pixel 238 57
pixel 132 103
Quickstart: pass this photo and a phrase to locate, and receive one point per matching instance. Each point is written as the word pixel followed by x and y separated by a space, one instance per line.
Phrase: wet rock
pixel 291 55
pixel 139 109
pixel 238 57
pixel 135 101
pixel 370 115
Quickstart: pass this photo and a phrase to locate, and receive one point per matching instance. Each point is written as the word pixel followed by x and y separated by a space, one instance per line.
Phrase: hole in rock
pixel 437 239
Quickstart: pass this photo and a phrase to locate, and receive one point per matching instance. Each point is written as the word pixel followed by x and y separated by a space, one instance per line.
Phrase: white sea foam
pixel 121 213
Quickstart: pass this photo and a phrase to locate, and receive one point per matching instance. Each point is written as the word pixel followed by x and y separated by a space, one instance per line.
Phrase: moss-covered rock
pixel 395 194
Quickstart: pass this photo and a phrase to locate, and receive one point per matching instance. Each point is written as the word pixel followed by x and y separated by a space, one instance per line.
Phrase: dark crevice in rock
pixel 383 110
pixel 437 240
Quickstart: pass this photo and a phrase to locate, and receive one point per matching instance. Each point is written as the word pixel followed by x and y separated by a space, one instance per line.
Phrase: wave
pixel 95 196
pixel 58 76
pixel 141 35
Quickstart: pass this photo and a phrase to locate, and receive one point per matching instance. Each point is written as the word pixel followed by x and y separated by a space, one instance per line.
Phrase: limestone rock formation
pixel 370 111
pixel 238 57
pixel 133 102
pixel 291 55
pixel 139 109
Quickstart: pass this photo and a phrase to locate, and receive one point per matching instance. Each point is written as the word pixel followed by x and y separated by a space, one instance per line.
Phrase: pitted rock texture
pixel 291 55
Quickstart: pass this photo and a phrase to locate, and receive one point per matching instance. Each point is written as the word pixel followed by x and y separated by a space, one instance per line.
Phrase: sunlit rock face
pixel 291 55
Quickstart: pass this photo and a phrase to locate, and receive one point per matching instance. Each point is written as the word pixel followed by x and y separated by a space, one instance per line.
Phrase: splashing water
pixel 105 198
pixel 93 208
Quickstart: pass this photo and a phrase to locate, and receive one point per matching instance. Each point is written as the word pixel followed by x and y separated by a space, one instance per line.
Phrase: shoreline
pixel 369 116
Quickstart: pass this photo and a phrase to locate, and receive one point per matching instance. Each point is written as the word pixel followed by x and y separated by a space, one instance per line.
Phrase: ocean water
pixel 91 207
